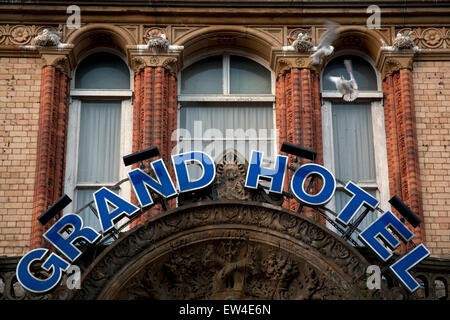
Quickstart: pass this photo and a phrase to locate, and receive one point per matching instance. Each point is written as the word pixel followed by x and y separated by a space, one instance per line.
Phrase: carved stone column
pixel 401 136
pixel 298 109
pixel 50 157
pixel 155 106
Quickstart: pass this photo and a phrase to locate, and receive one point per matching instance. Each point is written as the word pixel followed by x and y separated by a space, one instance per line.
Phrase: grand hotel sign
pixel 378 236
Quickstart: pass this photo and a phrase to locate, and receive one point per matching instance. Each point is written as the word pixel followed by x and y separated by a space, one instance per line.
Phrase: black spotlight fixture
pixel 406 212
pixel 141 155
pixel 298 151
pixel 54 209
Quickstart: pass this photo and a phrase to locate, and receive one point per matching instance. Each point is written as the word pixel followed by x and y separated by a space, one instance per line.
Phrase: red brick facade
pixel 299 117
pixel 50 159
pixel 401 142
pixel 154 117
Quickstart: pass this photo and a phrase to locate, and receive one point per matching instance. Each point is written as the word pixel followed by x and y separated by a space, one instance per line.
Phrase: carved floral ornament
pixel 21 34
pixel 430 38
pixel 239 249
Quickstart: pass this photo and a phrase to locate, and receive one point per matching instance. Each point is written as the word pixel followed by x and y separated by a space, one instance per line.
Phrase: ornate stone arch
pixel 247 39
pixel 100 35
pixel 220 249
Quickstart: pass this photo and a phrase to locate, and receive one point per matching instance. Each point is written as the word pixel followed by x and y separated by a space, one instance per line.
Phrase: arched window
pixel 354 135
pixel 99 132
pixel 226 102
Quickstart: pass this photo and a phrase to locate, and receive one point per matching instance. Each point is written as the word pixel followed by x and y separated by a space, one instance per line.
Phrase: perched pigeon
pixel 348 88
pixel 48 38
pixel 158 42
pixel 325 48
pixel 404 41
pixel 301 44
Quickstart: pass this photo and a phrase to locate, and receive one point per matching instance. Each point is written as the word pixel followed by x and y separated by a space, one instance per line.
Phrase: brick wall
pixel 20 80
pixel 432 100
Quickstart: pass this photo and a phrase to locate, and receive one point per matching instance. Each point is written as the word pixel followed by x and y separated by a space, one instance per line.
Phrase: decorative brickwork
pixel 154 118
pixel 299 118
pixel 400 124
pixel 50 160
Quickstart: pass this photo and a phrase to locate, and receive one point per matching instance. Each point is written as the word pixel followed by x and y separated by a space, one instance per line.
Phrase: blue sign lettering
pixel 378 229
pixel 54 263
pixel 360 198
pixel 401 267
pixel 103 198
pixel 141 181
pixel 298 184
pixel 65 244
pixel 185 183
pixel 276 175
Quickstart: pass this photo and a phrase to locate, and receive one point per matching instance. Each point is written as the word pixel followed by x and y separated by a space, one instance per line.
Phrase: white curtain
pixel 354 152
pixel 353 142
pixel 224 126
pixel 98 159
pixel 218 127
pixel 99 151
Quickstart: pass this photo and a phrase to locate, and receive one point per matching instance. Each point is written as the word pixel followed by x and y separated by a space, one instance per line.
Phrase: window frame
pixel 76 97
pixel 226 96
pixel 375 98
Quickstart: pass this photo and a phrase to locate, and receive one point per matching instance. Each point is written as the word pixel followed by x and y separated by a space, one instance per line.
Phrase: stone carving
pixel 219 262
pixel 230 179
pixel 429 37
pixel 21 34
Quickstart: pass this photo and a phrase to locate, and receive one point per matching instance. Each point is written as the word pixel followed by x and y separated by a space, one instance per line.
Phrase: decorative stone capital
pixel 140 59
pixel 61 59
pixel 391 62
pixel 283 61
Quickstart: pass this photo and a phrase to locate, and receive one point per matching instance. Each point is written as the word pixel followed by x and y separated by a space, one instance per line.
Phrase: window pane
pixel 363 72
pixel 98 159
pixel 203 77
pixel 353 142
pixel 247 76
pixel 102 71
pixel 342 198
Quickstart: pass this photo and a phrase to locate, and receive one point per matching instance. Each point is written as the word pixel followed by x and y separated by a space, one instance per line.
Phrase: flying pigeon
pixel 325 48
pixel 348 88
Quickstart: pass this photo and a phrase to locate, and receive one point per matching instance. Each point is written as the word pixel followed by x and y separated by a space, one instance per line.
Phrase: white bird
pixel 48 38
pixel 158 42
pixel 301 44
pixel 403 41
pixel 348 88
pixel 325 48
